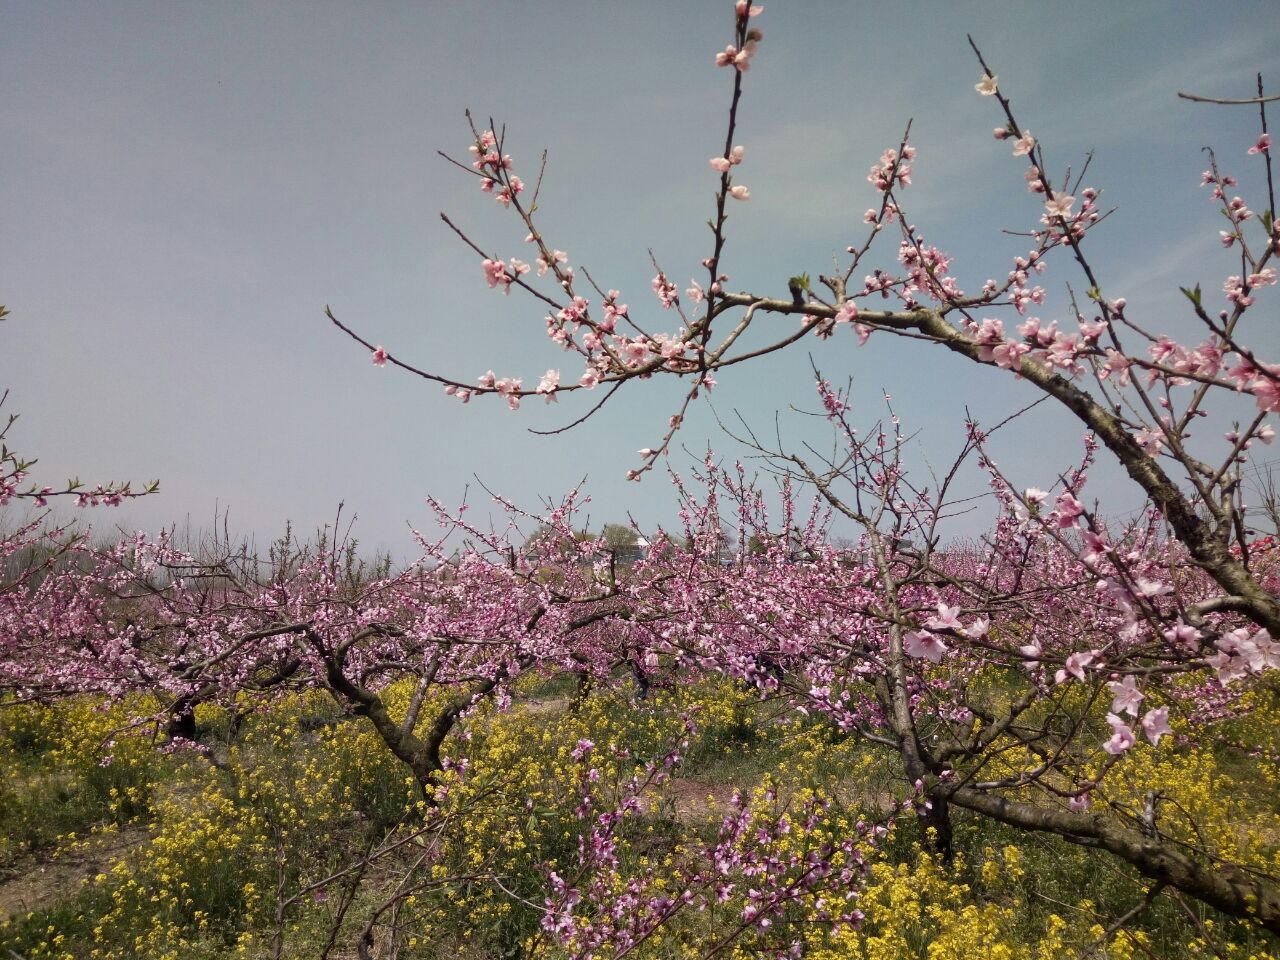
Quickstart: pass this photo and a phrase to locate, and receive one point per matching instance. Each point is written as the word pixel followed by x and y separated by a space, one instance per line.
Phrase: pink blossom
pixel 379 357
pixel 987 85
pixel 1229 668
pixel 740 59
pixel 1262 146
pixel 1062 352
pixel 1238 211
pixel 922 643
pixel 557 256
pixel 671 349
pixel 743 60
pixel 1149 589
pixel 722 164
pixel 495 272
pixel 635 352
pixel 1151 441
pixel 1074 666
pixel 1024 144
pixel 1266 390
pixel 1127 696
pixel 1059 206
pixel 1233 287
pixel 1242 374
pixel 847 313
pixel 1116 364
pixel 1095 548
pixel 1009 354
pixel 884 173
pixel 1259 651
pixel 990 334
pixel 1067 509
pixel 666 291
pixel 739 192
pixel 1092 331
pixel 548 384
pixel 1183 634
pixel 1078 661
pixel 1263 278
pixel 1156 724
pixel 947 619
pixel 1121 736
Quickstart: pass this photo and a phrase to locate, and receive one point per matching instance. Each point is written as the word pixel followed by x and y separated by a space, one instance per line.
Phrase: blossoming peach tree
pixel 1039 677
pixel 1026 677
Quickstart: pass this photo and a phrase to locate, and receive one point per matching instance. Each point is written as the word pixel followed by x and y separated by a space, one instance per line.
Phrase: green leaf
pixel 1192 295
pixel 1265 217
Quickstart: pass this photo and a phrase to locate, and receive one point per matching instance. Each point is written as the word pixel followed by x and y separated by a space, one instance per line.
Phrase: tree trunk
pixel 182 720
pixel 935 824
pixel 1228 888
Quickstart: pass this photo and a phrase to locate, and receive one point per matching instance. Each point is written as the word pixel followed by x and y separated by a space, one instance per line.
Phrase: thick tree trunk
pixel 182 720
pixel 642 680
pixel 1228 888
pixel 935 824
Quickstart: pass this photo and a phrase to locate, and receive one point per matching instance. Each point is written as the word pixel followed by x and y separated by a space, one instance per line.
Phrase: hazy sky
pixel 187 185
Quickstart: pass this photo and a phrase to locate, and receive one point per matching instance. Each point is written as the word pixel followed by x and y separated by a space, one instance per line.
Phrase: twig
pixel 1249 102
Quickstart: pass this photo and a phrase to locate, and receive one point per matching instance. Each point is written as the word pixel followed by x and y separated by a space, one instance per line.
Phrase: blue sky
pixel 186 186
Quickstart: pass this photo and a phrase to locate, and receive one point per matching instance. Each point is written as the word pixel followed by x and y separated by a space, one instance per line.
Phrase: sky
pixel 185 187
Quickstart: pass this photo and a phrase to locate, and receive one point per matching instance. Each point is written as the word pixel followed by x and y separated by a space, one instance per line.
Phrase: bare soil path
pixel 54 876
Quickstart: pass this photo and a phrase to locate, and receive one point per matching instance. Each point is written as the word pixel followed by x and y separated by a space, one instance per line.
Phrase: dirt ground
pixel 57 875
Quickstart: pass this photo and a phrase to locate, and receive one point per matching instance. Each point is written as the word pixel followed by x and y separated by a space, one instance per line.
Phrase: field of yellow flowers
pixel 291 832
